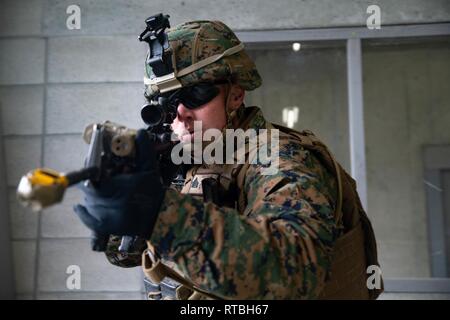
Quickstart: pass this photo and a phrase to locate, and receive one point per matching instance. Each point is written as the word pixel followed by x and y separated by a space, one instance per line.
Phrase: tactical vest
pixel 353 252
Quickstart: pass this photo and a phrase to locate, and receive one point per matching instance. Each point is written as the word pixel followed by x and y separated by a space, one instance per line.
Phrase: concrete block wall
pixel 119 17
pixel 51 87
pixel 54 81
pixel 407 106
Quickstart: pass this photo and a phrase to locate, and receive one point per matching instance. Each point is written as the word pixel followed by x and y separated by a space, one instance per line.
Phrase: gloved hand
pixel 126 204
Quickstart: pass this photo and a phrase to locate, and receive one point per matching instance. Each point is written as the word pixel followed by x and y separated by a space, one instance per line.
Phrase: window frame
pixel 353 37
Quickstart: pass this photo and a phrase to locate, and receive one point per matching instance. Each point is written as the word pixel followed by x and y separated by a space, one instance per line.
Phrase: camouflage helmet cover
pixel 193 42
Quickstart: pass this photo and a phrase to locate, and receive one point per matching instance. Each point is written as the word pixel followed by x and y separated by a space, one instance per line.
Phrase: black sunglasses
pixel 195 96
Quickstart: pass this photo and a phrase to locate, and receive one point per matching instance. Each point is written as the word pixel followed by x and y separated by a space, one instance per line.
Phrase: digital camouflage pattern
pixel 279 244
pixel 194 41
pixel 278 247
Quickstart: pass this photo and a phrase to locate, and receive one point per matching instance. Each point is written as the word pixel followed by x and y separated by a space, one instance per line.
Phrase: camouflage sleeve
pixel 279 248
pixel 124 260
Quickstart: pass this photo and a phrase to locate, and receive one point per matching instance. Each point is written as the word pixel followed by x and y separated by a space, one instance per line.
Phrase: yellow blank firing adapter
pixel 41 187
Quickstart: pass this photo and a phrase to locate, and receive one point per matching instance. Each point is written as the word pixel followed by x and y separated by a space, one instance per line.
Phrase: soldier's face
pixel 212 114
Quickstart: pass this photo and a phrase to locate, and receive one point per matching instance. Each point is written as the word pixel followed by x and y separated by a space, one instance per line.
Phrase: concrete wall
pixel 114 17
pixel 53 81
pixel 407 106
pixel 7 288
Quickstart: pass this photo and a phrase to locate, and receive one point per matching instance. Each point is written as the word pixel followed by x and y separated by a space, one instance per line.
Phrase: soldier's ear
pixel 237 96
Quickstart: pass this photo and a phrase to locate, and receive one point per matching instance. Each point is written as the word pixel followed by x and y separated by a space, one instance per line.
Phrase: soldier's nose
pixel 184 114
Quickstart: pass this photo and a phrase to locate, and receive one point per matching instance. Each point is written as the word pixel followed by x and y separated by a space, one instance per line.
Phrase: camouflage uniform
pixel 278 242
pixel 278 247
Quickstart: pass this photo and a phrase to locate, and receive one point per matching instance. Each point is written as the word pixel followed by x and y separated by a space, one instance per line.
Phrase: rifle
pixel 111 146
pixel 111 152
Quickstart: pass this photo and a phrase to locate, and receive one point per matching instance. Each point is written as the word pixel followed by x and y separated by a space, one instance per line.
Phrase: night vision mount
pixel 158 113
pixel 159 57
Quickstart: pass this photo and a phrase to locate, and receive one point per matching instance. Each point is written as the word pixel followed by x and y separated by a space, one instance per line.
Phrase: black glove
pixel 126 204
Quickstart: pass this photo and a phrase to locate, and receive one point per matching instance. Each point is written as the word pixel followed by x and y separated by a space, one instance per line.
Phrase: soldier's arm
pixel 280 247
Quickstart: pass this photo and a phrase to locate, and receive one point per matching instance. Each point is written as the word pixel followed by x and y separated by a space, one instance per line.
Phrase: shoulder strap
pixel 240 180
pixel 156 271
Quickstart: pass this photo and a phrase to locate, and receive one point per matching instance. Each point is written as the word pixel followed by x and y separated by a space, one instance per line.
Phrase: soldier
pixel 300 233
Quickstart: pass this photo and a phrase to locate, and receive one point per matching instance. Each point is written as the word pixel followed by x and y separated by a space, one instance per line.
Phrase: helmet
pixel 204 51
